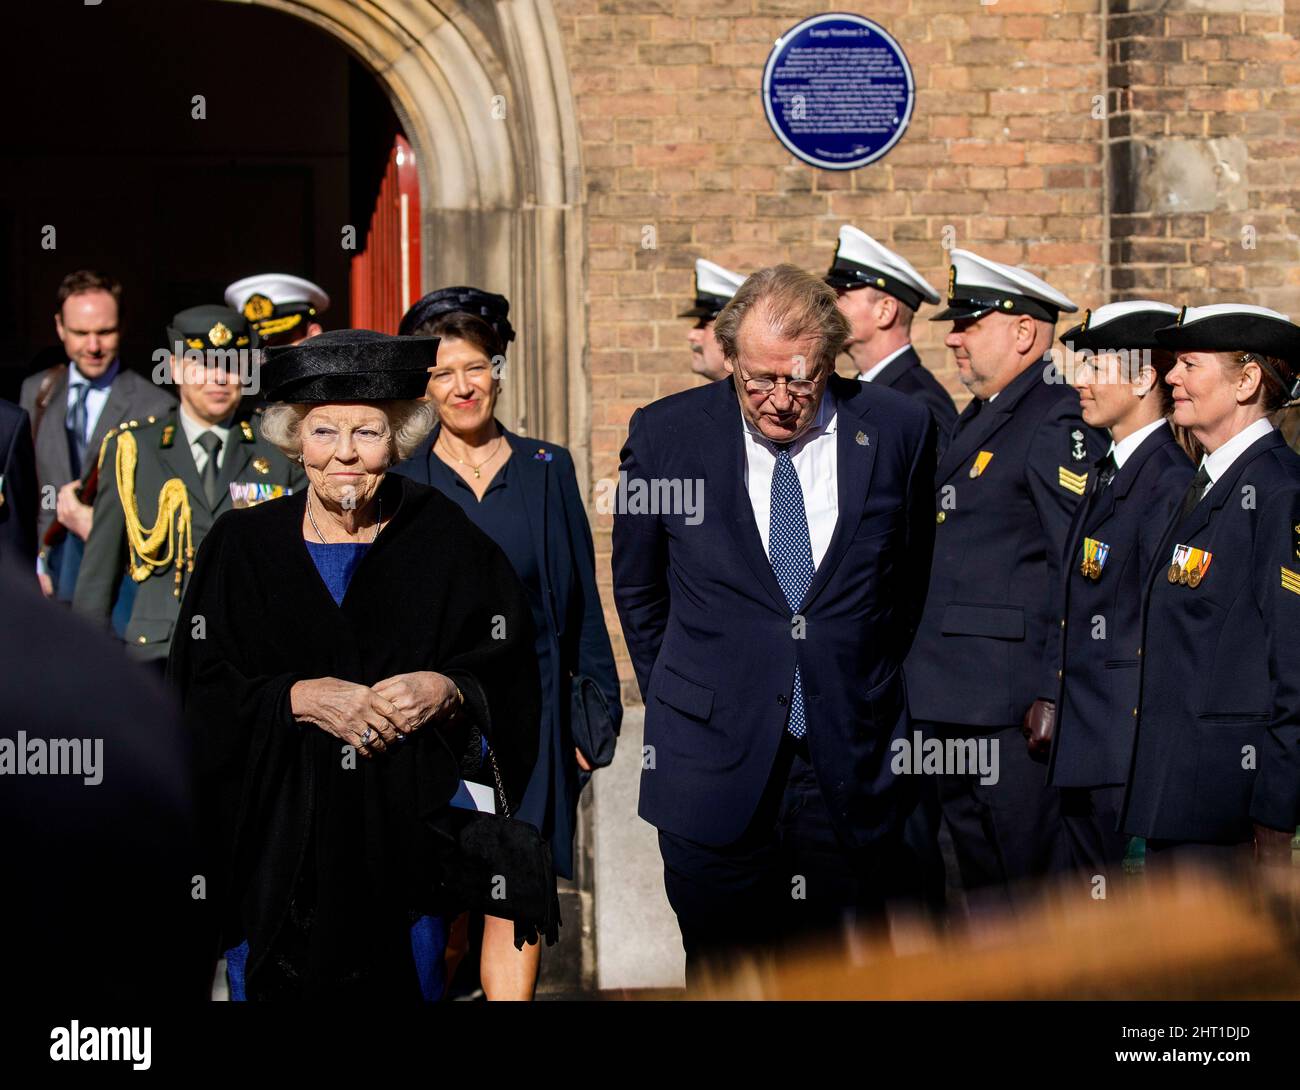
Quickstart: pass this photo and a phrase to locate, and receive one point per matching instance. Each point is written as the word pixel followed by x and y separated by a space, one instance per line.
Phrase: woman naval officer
pixel 1134 491
pixel 1216 761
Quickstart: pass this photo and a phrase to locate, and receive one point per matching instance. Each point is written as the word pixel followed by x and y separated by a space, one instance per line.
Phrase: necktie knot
pixel 210 441
pixel 1107 467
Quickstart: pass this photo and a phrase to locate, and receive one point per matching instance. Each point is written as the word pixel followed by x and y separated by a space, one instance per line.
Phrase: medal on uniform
pixel 261 465
pixel 1198 563
pixel 982 460
pixel 1176 563
pixel 1094 558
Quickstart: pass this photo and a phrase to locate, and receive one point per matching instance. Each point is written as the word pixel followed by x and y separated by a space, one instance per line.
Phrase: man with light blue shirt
pixel 73 407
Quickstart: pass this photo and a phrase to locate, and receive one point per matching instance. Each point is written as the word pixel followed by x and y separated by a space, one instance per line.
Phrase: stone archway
pixel 484 98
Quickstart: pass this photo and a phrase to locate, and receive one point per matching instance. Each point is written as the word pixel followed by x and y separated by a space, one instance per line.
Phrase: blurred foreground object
pixel 1181 934
pixel 98 872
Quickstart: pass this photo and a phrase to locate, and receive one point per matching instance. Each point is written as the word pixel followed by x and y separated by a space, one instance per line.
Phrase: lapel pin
pixel 862 440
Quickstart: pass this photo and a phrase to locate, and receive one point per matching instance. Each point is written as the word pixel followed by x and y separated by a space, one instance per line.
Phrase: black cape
pixel 320 866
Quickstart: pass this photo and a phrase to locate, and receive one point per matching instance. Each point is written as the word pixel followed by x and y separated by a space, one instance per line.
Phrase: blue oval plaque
pixel 838 91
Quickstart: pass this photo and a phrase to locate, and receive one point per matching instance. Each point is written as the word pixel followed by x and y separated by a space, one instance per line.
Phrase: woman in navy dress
pixel 524 495
pixel 1133 492
pixel 1216 763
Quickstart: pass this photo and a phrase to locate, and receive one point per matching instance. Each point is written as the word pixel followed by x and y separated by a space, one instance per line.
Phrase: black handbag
pixel 499 866
pixel 593 727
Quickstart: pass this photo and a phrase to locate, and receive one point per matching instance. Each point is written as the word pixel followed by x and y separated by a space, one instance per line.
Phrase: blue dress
pixel 336 563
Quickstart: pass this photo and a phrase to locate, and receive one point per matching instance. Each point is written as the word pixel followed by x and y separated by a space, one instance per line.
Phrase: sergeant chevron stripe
pixel 1072 482
pixel 1291 580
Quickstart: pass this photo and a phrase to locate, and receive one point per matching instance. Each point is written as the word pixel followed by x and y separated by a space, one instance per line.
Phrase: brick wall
pixel 1205 150
pixel 1029 114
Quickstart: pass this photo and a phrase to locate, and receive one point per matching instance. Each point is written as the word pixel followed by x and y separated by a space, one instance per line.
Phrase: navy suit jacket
pixel 987 644
pixel 908 375
pixel 1098 689
pixel 710 632
pixel 18 493
pixel 1218 725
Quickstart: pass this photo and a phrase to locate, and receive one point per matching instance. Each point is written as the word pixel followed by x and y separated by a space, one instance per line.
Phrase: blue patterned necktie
pixel 789 550
pixel 76 424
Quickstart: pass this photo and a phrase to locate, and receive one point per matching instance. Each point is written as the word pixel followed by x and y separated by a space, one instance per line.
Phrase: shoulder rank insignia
pixel 168 437
pixel 981 462
pixel 1094 558
pixel 542 455
pixel 261 465
pixel 246 430
pixel 1078 451
pixel 1291 580
pixel 1188 566
pixel 1072 482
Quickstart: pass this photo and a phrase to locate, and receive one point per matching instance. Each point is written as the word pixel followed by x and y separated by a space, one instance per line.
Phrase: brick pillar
pixel 1204 150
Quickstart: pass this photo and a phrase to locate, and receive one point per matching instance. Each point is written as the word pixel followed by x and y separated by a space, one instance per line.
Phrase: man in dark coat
pixel 73 406
pixel 1006 489
pixel 880 293
pixel 770 555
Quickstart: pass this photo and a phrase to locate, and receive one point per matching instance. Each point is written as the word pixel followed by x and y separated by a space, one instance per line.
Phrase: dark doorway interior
pixel 98 139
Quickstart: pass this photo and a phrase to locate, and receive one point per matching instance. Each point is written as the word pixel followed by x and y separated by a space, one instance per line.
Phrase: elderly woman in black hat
pixel 1216 765
pixel 1115 363
pixel 344 654
pixel 524 495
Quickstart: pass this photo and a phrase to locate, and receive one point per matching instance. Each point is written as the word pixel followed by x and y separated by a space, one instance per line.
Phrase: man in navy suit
pixel 17 485
pixel 1006 489
pixel 880 293
pixel 767 621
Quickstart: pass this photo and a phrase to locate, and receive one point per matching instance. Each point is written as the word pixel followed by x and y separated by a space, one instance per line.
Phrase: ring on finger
pixel 365 738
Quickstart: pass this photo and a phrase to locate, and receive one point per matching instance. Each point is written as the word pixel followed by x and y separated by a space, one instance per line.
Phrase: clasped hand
pixel 389 709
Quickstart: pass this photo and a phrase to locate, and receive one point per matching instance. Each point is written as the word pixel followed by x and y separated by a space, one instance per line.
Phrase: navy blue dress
pixel 502 516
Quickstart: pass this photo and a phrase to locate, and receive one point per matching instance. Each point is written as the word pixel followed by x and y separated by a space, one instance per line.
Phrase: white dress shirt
pixel 871 374
pixel 96 397
pixel 1218 463
pixel 814 458
pixel 194 428
pixel 1123 450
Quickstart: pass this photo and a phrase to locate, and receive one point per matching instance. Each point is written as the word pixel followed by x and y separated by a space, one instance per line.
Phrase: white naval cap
pixel 276 303
pixel 977 286
pixel 714 287
pixel 862 262
pixel 1127 325
pixel 1238 327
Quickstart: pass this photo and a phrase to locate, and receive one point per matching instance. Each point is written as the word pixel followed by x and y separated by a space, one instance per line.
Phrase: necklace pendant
pixel 477 474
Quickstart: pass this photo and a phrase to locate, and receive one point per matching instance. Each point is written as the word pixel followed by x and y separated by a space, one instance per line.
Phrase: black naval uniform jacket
pixel 1098 686
pixel 906 374
pixel 1218 711
pixel 1005 493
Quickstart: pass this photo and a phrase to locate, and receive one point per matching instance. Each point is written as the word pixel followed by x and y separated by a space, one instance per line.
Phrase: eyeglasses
pixel 795 387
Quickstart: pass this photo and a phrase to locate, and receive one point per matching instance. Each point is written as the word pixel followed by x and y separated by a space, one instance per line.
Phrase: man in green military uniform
pixel 163 483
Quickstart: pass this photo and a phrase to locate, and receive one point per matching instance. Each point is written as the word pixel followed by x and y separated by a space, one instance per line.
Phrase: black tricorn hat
pixel 349 365
pixel 1128 325
pixel 487 305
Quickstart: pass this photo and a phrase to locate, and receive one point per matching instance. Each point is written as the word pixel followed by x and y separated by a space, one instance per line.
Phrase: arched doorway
pixel 484 99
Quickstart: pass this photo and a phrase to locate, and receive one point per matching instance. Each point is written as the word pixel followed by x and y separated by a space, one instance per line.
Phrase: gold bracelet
pixel 460 697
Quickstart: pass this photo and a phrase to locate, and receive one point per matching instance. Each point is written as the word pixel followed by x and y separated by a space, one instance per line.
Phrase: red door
pixel 385 278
